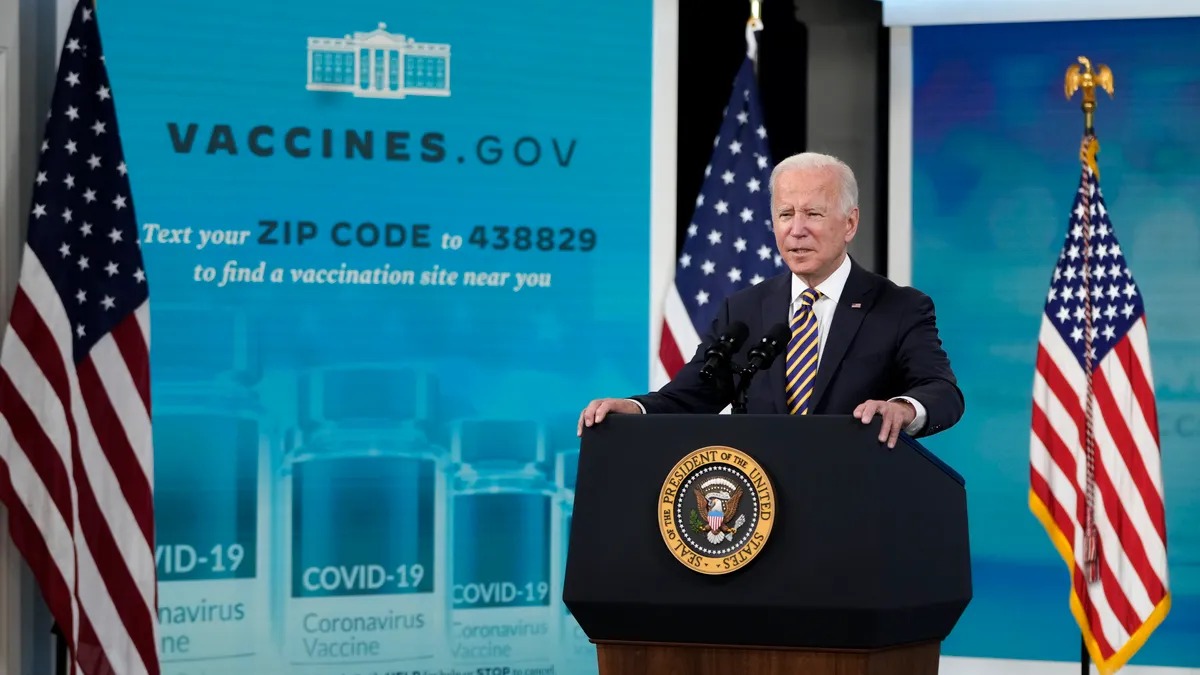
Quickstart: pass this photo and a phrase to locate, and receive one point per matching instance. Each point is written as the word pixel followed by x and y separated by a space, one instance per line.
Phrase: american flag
pixel 730 241
pixel 1095 465
pixel 76 461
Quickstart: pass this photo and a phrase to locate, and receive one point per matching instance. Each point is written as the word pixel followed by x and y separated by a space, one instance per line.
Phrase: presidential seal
pixel 716 509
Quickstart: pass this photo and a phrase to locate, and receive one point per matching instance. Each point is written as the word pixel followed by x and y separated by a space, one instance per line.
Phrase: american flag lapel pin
pixel 857 305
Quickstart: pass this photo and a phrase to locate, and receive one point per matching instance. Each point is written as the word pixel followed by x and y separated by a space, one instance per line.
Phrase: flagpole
pixel 753 25
pixel 1084 78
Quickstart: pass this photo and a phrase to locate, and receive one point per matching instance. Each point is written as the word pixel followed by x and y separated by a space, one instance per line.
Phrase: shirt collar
pixel 830 288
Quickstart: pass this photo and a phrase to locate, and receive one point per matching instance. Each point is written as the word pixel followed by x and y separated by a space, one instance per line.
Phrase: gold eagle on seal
pixel 719 512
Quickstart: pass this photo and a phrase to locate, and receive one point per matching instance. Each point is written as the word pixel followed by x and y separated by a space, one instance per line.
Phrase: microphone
pixel 772 345
pixel 726 346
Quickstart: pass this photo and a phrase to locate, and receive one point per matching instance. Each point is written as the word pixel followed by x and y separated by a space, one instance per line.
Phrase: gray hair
pixel 848 188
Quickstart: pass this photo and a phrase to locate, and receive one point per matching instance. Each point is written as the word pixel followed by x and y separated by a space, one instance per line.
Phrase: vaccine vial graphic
pixel 212 449
pixel 364 493
pixel 577 655
pixel 502 615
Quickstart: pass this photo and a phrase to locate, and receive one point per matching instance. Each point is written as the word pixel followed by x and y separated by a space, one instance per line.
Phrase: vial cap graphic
pixel 205 342
pixel 515 442
pixel 366 394
pixel 561 431
pixel 566 468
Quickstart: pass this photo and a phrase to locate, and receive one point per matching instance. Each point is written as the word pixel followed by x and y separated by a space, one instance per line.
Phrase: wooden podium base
pixel 640 658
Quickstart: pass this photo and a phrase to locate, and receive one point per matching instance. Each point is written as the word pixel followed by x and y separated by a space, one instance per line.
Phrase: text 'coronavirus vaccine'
pixel 212 449
pixel 501 593
pixel 366 523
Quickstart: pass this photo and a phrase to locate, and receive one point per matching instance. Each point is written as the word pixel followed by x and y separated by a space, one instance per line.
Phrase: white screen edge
pixel 900 113
pixel 663 143
pixel 943 12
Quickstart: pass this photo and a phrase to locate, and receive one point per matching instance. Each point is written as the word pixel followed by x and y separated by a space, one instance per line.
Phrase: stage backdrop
pixel 995 168
pixel 392 247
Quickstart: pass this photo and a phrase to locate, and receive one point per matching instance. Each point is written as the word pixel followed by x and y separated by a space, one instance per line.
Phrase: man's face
pixel 810 229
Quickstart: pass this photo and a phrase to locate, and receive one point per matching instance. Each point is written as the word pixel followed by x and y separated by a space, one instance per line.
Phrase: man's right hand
pixel 596 410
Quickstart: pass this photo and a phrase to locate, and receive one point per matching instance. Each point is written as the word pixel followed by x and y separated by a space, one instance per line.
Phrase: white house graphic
pixel 378 64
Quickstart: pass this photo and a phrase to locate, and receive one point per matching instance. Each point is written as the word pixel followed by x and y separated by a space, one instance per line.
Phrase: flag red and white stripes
pixel 76 456
pixel 715 521
pixel 1093 397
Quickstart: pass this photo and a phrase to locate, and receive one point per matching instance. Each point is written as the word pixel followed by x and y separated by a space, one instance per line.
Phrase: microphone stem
pixel 742 388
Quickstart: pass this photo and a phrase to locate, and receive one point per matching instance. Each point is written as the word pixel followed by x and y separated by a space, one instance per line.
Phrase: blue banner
pixel 390 247
pixel 995 170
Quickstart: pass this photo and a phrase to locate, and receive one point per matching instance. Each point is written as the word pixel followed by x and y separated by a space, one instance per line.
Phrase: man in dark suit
pixel 859 343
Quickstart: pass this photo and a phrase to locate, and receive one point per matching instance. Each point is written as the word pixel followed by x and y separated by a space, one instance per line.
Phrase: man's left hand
pixel 896 416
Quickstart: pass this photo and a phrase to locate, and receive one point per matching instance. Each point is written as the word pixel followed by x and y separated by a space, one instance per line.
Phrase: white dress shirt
pixel 829 292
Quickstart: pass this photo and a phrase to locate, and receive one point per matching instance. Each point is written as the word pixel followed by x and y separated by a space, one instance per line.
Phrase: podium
pixel 865 568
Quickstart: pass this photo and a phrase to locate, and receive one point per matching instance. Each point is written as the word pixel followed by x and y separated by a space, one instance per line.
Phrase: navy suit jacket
pixel 883 343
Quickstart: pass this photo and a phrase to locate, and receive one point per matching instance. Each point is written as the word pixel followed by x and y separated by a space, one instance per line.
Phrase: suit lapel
pixel 775 310
pixel 857 296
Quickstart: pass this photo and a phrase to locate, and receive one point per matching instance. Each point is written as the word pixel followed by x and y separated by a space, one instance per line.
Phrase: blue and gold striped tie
pixel 802 354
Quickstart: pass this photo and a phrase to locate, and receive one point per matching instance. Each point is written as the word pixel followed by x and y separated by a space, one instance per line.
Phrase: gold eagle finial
pixel 1087 79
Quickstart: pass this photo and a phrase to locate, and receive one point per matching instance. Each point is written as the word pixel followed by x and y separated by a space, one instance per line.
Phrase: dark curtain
pixel 712 44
